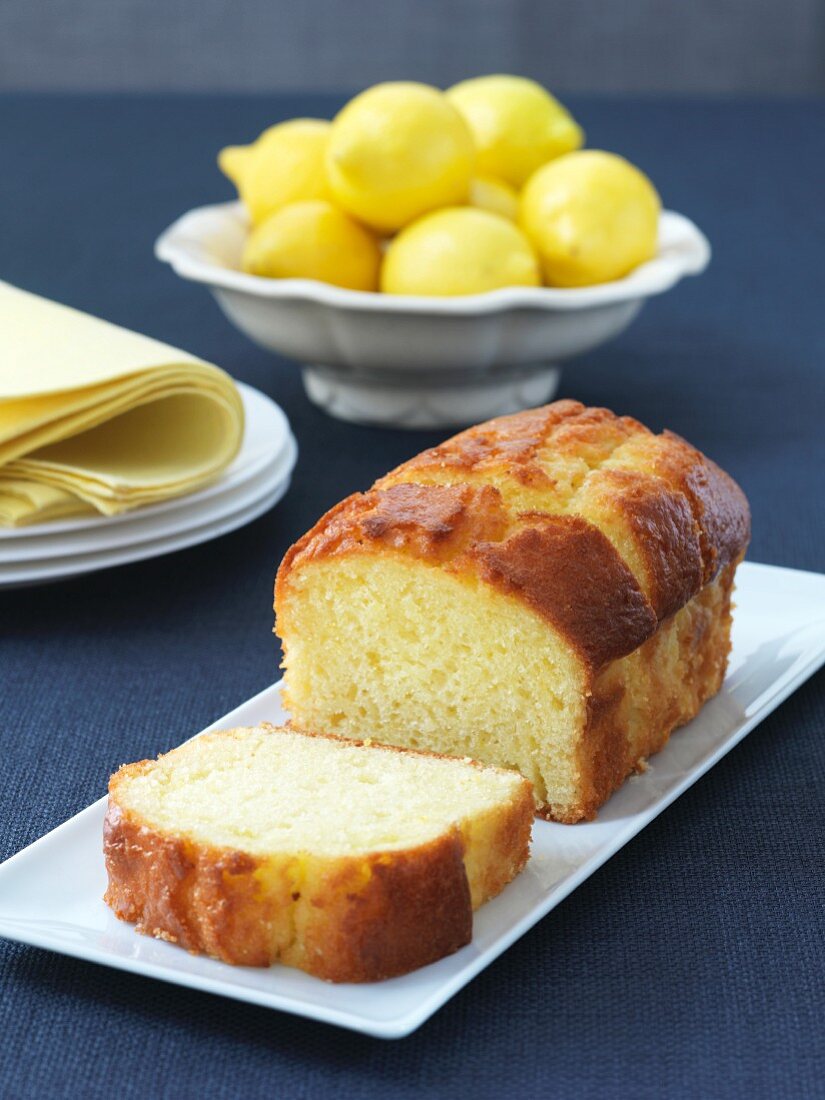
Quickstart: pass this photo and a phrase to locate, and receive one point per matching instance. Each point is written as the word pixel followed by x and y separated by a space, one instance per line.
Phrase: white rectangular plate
pixel 51 892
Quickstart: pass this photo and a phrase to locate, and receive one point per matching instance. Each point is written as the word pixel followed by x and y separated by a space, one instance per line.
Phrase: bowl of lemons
pixel 431 257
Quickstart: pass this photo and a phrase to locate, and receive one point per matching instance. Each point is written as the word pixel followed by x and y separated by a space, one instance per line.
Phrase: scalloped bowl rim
pixel 683 250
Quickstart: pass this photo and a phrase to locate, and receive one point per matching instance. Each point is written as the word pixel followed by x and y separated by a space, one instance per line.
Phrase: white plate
pixel 18 555
pixel 266 495
pixel 266 435
pixel 50 893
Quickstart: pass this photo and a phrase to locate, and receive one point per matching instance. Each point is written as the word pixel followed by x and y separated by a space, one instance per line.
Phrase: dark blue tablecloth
pixel 692 964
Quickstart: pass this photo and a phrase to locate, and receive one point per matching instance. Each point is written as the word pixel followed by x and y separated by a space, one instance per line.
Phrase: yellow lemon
pixel 397 151
pixel 592 217
pixel 494 195
pixel 285 164
pixel 459 250
pixel 516 124
pixel 314 240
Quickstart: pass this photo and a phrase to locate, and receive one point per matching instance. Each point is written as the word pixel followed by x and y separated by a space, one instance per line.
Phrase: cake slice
pixel 349 860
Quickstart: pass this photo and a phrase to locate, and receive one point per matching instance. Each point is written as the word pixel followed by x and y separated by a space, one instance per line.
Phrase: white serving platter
pixel 51 892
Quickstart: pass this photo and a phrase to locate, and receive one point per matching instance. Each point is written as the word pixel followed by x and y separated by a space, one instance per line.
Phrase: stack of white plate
pixel 255 481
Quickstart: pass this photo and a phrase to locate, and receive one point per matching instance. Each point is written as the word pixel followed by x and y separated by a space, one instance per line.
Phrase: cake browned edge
pixel 692 519
pixel 415 908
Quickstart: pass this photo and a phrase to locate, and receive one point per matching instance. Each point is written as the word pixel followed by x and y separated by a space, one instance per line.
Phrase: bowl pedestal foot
pixel 429 399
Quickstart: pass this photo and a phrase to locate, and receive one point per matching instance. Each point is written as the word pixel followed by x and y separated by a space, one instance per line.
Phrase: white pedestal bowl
pixel 419 362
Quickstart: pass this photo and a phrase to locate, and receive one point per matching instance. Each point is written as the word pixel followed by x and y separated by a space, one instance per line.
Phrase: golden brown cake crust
pixel 414 910
pixel 568 572
pixel 609 752
pixel 719 505
pixel 689 518
pixel 363 918
pixel 430 522
pixel 514 443
pixel 516 440
pixel 662 521
pixel 181 892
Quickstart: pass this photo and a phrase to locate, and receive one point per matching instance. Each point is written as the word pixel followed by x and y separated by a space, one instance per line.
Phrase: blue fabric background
pixel 692 964
pixel 738 46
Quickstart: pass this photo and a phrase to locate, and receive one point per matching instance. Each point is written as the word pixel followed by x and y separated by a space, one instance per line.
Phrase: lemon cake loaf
pixel 350 860
pixel 549 591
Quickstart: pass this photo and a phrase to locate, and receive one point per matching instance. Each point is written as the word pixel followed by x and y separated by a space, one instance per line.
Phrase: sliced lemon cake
pixel 549 591
pixel 350 860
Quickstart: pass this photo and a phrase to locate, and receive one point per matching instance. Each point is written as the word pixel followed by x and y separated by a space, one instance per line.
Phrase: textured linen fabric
pixel 739 46
pixel 692 963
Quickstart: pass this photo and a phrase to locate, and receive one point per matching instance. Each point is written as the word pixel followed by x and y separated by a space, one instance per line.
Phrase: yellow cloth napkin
pixel 95 416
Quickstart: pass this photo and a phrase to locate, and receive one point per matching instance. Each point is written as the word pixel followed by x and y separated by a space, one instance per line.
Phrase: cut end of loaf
pixel 437 660
pixel 430 659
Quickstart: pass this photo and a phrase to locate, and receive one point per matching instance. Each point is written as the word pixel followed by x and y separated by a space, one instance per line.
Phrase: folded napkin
pixel 94 417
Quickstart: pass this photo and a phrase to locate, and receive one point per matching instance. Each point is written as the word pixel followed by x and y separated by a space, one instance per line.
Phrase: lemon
pixel 285 164
pixel 516 124
pixel 592 217
pixel 314 240
pixel 494 195
pixel 459 250
pixel 397 151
